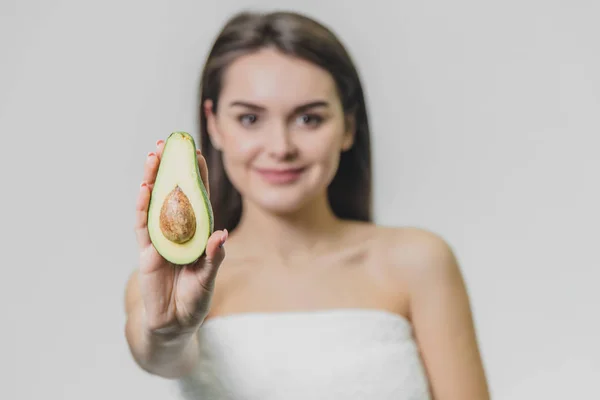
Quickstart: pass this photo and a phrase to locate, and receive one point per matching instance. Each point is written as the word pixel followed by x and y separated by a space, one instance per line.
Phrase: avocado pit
pixel 177 218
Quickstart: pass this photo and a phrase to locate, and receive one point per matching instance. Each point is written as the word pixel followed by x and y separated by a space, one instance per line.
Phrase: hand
pixel 176 299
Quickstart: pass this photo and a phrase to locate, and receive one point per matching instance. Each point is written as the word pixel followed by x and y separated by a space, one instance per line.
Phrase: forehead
pixel 271 78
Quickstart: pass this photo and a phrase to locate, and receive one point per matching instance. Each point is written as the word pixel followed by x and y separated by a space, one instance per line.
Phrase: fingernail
pixel 143 184
pixel 159 142
pixel 224 238
pixel 198 151
pixel 151 154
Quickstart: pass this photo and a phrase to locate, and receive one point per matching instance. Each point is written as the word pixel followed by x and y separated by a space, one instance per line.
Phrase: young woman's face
pixel 281 128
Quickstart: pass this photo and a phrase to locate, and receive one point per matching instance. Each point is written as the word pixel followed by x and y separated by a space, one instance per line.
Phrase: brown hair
pixel 298 35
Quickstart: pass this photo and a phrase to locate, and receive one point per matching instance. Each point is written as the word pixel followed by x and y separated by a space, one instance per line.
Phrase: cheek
pixel 325 156
pixel 240 148
pixel 324 151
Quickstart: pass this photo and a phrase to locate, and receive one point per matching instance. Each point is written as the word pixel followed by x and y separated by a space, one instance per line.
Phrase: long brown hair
pixel 294 34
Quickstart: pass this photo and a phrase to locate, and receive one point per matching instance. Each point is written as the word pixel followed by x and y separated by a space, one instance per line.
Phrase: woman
pixel 313 299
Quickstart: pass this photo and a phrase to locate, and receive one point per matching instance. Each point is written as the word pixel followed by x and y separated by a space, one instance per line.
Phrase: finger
pixel 215 244
pixel 203 170
pixel 150 168
pixel 214 256
pixel 141 228
pixel 160 145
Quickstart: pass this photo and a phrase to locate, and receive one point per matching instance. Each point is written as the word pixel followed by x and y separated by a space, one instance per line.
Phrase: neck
pixel 310 230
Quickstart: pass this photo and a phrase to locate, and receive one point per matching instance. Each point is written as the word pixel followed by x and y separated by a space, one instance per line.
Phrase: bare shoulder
pixel 440 310
pixel 412 258
pixel 418 252
pixel 425 263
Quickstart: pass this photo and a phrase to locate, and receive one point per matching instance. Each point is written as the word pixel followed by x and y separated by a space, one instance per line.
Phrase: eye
pixel 310 120
pixel 247 119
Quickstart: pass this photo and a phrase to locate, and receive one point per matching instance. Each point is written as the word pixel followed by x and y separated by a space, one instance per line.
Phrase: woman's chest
pixel 357 280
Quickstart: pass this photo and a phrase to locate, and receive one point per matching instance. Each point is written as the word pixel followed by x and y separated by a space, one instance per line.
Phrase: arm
pixel 442 318
pixel 168 357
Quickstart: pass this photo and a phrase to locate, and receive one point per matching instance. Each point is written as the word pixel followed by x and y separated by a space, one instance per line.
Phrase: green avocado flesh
pixel 180 216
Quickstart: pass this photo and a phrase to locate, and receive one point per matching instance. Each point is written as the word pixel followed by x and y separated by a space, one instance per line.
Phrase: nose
pixel 280 144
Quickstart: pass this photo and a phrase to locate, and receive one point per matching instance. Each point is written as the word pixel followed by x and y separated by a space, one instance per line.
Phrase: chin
pixel 281 201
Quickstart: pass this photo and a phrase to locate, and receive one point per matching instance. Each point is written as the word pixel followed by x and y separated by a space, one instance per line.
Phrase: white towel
pixel 310 355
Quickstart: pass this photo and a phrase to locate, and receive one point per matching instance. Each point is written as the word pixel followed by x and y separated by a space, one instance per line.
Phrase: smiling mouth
pixel 280 176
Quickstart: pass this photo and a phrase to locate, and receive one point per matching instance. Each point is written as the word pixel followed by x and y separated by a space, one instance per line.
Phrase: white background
pixel 485 120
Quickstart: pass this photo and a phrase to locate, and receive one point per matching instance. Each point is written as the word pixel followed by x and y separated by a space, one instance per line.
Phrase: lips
pixel 279 176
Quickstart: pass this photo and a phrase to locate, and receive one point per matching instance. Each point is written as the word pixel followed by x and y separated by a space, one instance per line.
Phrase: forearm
pixel 158 354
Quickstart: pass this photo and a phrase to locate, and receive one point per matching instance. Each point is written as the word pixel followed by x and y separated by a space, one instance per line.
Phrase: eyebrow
pixel 303 107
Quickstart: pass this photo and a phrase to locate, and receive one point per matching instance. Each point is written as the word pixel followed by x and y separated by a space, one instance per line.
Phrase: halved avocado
pixel 180 215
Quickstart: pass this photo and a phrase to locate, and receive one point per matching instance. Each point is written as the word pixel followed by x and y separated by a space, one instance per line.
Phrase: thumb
pixel 214 255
